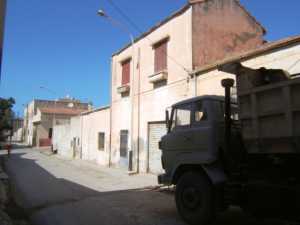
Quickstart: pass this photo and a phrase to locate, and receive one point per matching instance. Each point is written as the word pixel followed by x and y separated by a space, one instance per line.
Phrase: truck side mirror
pixel 167 120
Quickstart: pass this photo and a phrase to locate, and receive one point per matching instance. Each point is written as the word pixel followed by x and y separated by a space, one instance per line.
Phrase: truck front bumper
pixel 164 179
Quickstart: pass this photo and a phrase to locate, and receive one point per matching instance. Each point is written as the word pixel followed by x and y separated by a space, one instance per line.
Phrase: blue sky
pixel 65 46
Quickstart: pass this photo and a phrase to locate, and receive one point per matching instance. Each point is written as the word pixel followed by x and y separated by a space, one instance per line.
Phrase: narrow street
pixel 56 191
pixel 62 192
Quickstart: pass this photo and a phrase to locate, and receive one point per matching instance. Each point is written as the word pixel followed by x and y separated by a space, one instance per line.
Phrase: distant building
pixel 41 115
pixel 86 137
pixel 17 130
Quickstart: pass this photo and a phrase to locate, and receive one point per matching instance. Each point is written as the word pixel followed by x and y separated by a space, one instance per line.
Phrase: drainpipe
pixel 139 112
pixel 132 106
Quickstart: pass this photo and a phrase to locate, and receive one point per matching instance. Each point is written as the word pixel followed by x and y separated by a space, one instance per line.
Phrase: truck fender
pixel 215 173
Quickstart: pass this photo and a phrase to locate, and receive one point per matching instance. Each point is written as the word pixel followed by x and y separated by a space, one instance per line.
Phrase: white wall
pixel 84 130
pixel 63 137
pixel 62 140
pixel 18 135
pixel 92 124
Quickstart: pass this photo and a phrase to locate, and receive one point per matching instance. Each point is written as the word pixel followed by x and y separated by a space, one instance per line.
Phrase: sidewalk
pixel 111 178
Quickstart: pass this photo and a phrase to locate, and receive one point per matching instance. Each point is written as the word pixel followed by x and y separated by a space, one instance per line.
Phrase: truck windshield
pixel 181 117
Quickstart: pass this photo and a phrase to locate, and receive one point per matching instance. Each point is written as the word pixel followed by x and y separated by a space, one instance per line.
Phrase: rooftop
pixel 95 110
pixel 271 46
pixel 178 13
pixel 62 111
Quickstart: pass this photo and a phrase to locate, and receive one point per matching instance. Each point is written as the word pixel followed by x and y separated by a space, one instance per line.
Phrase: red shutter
pixel 126 72
pixel 160 54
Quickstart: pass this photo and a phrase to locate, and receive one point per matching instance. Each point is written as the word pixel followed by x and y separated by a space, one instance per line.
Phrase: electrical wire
pixel 293 65
pixel 137 28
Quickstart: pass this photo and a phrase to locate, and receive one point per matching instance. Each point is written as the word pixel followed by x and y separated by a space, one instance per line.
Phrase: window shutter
pixel 160 54
pixel 126 72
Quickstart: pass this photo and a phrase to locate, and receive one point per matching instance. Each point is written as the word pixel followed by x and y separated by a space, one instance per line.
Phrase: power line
pixel 137 28
pixel 293 65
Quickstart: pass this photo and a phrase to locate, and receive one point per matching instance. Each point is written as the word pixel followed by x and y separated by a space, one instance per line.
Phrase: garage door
pixel 156 131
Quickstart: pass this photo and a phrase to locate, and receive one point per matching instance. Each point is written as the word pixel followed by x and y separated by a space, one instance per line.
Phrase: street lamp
pixel 116 23
pixel 122 27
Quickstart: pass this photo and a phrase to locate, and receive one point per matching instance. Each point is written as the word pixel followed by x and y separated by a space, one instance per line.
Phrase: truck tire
pixel 194 198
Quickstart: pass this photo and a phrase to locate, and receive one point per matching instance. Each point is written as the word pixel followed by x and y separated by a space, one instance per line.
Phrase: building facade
pixel 155 72
pixel 86 137
pixel 17 129
pixel 96 136
pixel 41 115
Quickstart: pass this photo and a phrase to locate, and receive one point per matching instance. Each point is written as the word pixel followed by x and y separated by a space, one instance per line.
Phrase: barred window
pixel 101 141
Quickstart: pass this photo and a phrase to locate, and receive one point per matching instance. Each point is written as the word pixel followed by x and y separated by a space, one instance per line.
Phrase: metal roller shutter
pixel 156 131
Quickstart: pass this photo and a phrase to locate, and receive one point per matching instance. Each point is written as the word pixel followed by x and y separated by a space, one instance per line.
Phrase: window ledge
pixel 162 75
pixel 123 89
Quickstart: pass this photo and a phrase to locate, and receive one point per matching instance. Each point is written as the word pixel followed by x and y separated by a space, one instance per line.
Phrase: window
pixel 183 117
pixel 160 56
pixel 234 111
pixel 200 113
pixel 126 72
pixel 123 143
pixel 101 141
pixel 50 133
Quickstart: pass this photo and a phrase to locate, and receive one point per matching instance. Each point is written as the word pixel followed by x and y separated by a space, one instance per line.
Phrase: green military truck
pixel 244 151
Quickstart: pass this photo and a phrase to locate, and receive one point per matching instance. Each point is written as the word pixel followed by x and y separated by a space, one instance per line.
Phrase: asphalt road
pixel 54 191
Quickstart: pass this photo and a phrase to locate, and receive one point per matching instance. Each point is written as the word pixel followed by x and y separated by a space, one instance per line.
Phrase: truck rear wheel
pixel 194 198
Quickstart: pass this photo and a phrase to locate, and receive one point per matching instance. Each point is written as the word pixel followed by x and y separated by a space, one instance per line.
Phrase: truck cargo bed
pixel 269 113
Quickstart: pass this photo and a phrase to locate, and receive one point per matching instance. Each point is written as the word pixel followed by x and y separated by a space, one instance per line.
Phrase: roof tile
pixel 62 111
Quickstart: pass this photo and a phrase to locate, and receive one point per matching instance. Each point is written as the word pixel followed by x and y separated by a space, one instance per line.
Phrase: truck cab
pixel 194 134
pixel 218 153
pixel 192 153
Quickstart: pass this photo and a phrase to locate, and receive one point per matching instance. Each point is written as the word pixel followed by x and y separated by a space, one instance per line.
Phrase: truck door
pixel 179 138
pixel 201 130
pixel 192 135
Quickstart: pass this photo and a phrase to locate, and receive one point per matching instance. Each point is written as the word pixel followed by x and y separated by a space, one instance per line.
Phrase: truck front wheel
pixel 194 198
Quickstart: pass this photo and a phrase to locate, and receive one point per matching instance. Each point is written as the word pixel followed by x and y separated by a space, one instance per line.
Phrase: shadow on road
pixel 52 200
